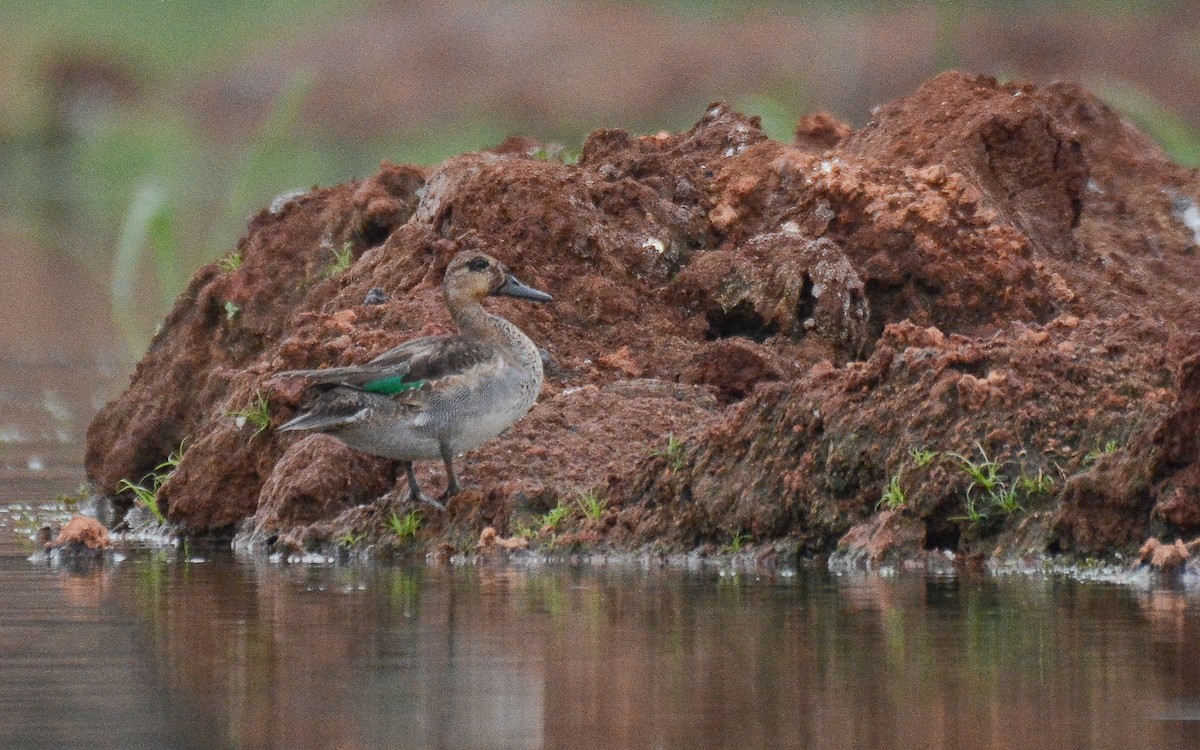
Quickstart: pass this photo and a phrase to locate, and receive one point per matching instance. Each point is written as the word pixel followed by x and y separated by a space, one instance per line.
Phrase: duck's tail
pixel 317 423
pixel 329 411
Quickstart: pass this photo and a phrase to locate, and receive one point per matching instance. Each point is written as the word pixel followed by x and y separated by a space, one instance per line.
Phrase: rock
pixel 376 296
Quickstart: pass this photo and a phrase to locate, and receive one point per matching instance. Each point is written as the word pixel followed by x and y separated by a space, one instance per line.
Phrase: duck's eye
pixel 478 264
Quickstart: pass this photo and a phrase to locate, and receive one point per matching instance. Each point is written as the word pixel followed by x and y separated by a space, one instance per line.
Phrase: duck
pixel 434 397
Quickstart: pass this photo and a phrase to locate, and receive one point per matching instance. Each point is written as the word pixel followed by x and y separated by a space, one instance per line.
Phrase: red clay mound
pixel 982 304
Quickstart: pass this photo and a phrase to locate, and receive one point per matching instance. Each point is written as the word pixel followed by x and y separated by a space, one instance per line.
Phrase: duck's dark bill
pixel 513 288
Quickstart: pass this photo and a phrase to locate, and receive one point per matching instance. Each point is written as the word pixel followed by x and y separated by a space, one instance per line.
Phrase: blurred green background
pixel 136 137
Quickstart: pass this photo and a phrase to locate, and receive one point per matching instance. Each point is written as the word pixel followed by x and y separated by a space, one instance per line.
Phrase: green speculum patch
pixel 390 386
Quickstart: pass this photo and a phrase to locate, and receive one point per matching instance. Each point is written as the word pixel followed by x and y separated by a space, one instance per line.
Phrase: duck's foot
pixel 414 490
pixel 421 497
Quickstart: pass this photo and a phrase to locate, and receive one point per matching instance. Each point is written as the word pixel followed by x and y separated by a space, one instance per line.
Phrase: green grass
pixel 257 413
pixel 777 109
pixel 405 527
pixel 922 457
pixel 1035 485
pixel 984 474
pixel 672 453
pixel 972 512
pixel 523 530
pixel 554 517
pixel 1004 499
pixel 230 262
pixel 1098 453
pixel 591 505
pixel 147 496
pixel 172 461
pixel 996 493
pixel 343 258
pixel 893 495
pixel 556 153
pixel 146 492
pixel 737 541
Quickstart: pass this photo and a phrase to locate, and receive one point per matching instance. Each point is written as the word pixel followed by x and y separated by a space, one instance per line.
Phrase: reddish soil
pixel 82 534
pixel 981 269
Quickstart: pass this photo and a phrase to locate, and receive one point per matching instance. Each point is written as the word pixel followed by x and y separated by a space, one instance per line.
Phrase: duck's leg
pixel 452 486
pixel 414 489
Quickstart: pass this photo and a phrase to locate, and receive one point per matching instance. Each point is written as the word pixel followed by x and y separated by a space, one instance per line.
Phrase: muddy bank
pixel 970 325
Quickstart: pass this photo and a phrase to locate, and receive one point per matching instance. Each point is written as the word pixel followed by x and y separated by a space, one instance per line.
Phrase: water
pixel 193 648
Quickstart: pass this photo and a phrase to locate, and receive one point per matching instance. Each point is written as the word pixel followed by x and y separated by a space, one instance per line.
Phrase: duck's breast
pixel 474 415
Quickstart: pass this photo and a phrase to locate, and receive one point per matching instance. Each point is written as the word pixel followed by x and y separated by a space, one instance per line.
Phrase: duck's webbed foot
pixel 414 490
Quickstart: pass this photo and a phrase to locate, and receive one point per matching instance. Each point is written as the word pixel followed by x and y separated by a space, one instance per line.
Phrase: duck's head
pixel 475 275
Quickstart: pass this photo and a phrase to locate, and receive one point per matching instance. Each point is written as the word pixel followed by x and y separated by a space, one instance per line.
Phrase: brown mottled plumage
pixel 436 396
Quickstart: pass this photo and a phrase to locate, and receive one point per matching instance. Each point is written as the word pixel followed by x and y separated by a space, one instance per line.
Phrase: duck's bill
pixel 513 288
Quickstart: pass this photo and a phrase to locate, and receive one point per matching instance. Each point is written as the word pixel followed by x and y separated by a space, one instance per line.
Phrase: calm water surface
pixel 192 648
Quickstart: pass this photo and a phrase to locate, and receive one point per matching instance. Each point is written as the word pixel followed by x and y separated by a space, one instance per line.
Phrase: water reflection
pixel 157 652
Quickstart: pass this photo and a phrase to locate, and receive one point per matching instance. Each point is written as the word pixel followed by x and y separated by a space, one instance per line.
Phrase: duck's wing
pixel 412 365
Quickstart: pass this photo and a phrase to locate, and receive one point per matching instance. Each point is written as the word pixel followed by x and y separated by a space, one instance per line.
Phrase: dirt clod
pixel 982 302
pixel 82 534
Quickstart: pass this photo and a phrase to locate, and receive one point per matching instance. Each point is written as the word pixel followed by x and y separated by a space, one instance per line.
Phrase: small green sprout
pixel 231 262
pixel 893 495
pixel 522 529
pixel 555 152
pixel 231 309
pixel 973 513
pixel 1039 485
pixel 342 259
pixel 406 526
pixel 922 457
pixel 1004 499
pixel 171 463
pixel 350 538
pixel 985 475
pixel 673 453
pixel 148 495
pixel 555 516
pixel 591 505
pixel 1095 455
pixel 738 541
pixel 257 413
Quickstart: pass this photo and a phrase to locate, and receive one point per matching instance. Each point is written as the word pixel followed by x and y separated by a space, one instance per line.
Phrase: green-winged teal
pixel 435 396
